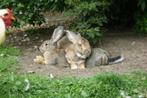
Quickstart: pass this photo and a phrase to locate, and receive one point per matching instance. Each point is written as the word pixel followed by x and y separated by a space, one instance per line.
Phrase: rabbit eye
pixel 46 44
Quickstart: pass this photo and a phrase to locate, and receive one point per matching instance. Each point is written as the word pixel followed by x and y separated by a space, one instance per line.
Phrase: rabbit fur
pixel 77 52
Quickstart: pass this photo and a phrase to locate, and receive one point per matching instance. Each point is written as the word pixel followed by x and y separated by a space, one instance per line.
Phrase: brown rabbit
pixel 77 52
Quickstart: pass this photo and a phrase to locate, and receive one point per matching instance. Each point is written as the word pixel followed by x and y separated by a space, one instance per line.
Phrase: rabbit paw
pixel 73 66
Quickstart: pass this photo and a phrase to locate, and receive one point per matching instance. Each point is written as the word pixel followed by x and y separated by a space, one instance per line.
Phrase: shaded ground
pixel 133 48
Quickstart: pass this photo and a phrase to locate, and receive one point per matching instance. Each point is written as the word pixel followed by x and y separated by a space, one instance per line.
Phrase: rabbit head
pixel 82 48
pixel 46 46
pixel 81 45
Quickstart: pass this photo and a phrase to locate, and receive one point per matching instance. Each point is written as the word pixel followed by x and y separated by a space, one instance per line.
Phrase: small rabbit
pixel 53 50
pixel 54 55
pixel 77 52
pixel 45 48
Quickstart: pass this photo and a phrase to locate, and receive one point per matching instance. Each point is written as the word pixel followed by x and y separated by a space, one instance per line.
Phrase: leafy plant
pixel 90 17
pixel 27 11
pixel 142 4
pixel 89 14
pixel 8 57
pixel 141 25
pixel 141 17
pixel 105 85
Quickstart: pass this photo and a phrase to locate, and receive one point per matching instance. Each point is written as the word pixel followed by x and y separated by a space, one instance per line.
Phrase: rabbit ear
pixel 57 34
pixel 73 37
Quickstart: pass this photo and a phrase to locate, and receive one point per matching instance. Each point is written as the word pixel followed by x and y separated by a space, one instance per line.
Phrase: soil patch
pixel 133 48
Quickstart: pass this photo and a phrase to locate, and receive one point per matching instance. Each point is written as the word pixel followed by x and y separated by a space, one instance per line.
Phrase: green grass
pixel 8 57
pixel 104 85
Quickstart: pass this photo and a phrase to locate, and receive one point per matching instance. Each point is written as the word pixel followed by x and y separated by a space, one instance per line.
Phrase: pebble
pixel 26 39
pixel 30 71
pixel 19 43
pixel 140 96
pixel 41 40
pixel 2 54
pixel 35 47
pixel 128 97
pixel 51 76
pixel 37 37
pixel 25 35
pixel 133 43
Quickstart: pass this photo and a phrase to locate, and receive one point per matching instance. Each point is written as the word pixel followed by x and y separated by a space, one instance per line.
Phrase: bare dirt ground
pixel 133 48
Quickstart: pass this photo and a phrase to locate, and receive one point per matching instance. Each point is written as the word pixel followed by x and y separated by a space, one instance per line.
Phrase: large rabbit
pixel 77 52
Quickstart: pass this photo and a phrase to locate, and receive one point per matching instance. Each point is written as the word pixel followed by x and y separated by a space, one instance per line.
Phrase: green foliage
pixel 27 11
pixel 89 15
pixel 120 13
pixel 141 18
pixel 9 51
pixel 7 62
pixel 128 13
pixel 141 25
pixel 100 86
pixel 30 11
pixel 8 57
pixel 142 4
pixel 90 18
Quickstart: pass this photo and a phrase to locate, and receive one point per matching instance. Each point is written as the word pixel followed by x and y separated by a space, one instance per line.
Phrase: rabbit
pixel 44 48
pixel 77 52
pixel 53 55
pixel 53 49
pixel 102 57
